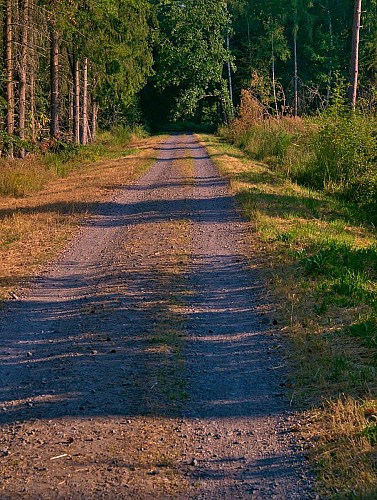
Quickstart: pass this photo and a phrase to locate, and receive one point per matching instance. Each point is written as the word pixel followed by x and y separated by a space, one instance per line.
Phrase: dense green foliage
pixel 190 58
pixel 300 52
pixel 113 38
pixel 264 36
pixel 121 53
pixel 191 53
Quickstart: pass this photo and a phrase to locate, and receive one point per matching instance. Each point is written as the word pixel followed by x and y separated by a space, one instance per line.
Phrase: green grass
pixel 21 177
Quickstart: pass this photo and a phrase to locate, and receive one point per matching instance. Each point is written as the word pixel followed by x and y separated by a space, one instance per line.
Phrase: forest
pixel 66 64
pixel 70 68
pixel 281 97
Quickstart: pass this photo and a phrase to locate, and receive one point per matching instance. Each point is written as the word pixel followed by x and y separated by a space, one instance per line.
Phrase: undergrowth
pixel 335 152
pixel 20 177
pixel 319 254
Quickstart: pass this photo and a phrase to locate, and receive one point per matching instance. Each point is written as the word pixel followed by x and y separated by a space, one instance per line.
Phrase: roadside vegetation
pixel 20 177
pixel 309 186
pixel 334 152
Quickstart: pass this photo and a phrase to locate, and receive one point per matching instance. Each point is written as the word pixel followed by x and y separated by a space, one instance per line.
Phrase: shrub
pixel 344 161
pixel 335 151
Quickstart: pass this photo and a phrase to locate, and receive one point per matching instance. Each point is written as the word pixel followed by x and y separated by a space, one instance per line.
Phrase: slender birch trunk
pixel 249 42
pixel 54 70
pixel 354 73
pixel 9 72
pixel 295 109
pixel 230 78
pixel 273 75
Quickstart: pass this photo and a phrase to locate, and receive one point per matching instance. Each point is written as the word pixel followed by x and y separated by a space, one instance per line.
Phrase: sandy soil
pixel 144 363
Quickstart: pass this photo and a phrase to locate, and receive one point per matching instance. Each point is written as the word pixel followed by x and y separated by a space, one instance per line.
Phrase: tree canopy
pixel 191 52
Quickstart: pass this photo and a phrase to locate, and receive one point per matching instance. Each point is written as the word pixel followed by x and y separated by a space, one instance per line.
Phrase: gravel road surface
pixel 143 363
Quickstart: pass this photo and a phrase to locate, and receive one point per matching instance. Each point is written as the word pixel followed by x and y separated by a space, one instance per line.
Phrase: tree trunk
pixel 230 78
pixel 84 116
pixel 273 75
pixel 32 66
pixel 295 107
pixel 76 101
pixel 249 42
pixel 32 106
pixel 70 110
pixel 331 32
pixel 8 46
pixel 54 70
pixel 355 54
pixel 23 73
pixel 94 120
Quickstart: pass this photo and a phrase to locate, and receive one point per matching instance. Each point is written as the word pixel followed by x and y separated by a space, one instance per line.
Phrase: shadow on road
pixel 91 350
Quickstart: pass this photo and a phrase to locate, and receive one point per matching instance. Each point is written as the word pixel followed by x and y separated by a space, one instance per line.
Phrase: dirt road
pixel 143 362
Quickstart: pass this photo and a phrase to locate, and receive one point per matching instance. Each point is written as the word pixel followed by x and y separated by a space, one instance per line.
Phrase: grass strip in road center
pixel 186 167
pixel 319 259
pixel 167 335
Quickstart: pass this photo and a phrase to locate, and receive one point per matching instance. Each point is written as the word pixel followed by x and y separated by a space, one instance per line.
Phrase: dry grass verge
pixel 34 228
pixel 320 261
